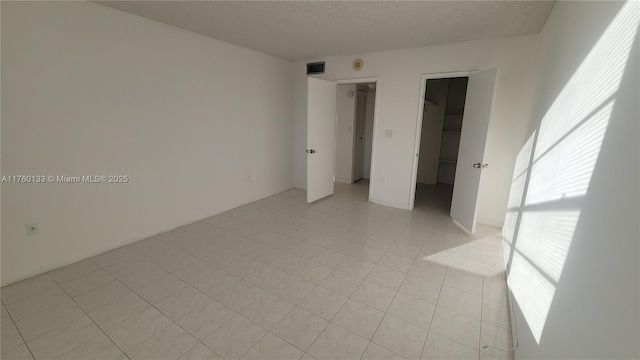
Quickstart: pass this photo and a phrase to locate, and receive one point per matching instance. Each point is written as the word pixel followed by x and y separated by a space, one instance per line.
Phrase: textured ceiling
pixel 297 30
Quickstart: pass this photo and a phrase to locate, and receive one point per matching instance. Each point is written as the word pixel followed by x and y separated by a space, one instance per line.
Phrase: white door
pixel 475 123
pixel 358 136
pixel 321 138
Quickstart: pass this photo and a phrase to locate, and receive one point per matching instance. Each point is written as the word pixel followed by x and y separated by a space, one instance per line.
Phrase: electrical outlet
pixel 388 133
pixel 32 229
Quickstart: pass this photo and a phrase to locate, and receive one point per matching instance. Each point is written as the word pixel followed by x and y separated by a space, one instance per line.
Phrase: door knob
pixel 480 165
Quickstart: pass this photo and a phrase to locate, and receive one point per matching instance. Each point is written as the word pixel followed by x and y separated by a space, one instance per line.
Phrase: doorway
pixel 355 107
pixel 473 124
pixel 321 136
pixel 442 119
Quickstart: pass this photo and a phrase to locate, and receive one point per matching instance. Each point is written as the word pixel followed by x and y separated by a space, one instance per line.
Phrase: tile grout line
pixel 330 321
pixel 268 331
pixel 433 315
pixel 324 328
pixel 160 311
pixel 90 318
pixel 18 330
pixel 143 299
pixel 386 311
pixel 396 294
pixel 348 298
pixel 457 312
pixel 326 222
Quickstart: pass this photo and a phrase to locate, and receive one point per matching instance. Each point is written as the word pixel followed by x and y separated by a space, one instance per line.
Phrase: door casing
pixel 416 151
pixel 375 124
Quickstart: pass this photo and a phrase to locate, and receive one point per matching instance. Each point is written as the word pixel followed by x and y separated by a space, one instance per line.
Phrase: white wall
pixel 575 269
pixel 87 89
pixel 298 73
pixel 398 96
pixel 345 121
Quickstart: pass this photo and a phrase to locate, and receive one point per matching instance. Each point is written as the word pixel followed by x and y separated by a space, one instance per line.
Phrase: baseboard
pixel 68 261
pixel 493 223
pixel 390 204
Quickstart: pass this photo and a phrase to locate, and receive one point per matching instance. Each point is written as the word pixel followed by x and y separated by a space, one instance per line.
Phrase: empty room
pixel 320 180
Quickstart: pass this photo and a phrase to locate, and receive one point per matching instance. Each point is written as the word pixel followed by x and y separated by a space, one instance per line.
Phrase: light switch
pixel 388 133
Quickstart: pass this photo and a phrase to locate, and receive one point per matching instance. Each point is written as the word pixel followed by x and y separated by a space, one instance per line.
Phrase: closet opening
pixel 442 118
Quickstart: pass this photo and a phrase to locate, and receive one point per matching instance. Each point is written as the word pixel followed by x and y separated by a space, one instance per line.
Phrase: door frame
pixel 416 150
pixel 375 80
pixel 363 120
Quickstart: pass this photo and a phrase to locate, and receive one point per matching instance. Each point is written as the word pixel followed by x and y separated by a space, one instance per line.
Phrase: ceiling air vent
pixel 315 68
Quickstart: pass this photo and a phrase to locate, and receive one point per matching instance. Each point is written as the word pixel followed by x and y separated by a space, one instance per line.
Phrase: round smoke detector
pixel 358 64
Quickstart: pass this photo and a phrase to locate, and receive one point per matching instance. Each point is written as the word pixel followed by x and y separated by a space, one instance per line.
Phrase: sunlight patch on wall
pixel 538 234
pixel 523 160
pixel 532 292
pixel 544 237
pixel 596 80
pixel 565 170
pixel 516 194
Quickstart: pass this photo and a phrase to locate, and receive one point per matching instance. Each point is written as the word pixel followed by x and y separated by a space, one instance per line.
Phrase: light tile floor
pixel 277 279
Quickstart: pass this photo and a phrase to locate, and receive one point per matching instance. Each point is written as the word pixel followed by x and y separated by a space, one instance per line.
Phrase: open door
pixel 321 138
pixel 477 112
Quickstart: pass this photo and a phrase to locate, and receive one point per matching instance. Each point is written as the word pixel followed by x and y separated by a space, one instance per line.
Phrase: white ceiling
pixel 297 30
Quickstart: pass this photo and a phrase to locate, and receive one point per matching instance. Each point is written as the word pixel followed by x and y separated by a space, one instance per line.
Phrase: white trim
pixel 42 269
pixel 85 255
pixel 354 136
pixel 376 109
pixel 356 81
pixel 416 149
pixel 490 223
pixel 375 124
pixel 390 204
